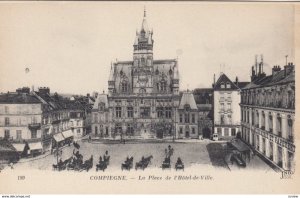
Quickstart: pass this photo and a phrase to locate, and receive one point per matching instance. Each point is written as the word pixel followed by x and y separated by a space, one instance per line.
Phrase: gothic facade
pixel 268 114
pixel 143 93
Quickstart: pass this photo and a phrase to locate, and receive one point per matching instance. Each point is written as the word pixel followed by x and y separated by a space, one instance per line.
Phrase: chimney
pixel 88 95
pixel 25 90
pixel 44 90
pixel 253 74
pixel 288 68
pixel 275 69
pixel 237 81
pixel 255 64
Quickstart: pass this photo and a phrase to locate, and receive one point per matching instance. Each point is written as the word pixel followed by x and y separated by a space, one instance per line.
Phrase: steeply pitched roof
pixel 223 79
pixel 187 99
pixel 102 98
pixel 203 96
pixel 18 98
pixel 241 84
pixel 278 78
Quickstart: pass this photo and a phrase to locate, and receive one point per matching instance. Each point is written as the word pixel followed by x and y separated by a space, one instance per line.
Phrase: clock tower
pixel 143 60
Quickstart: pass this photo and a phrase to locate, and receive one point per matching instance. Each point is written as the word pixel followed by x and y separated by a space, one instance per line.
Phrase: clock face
pixel 142 83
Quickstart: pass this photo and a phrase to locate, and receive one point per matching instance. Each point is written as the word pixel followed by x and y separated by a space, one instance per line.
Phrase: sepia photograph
pixel 148 97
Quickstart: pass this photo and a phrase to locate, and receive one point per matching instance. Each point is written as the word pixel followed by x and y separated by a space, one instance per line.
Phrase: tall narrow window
pixel 168 112
pixel 160 112
pixel 6 121
pixel 6 109
pixel 130 112
pixel 118 112
pixel 6 133
pixel 124 87
pixel 180 118
pixel 193 118
pixel 187 118
pixel 19 134
pixel 222 119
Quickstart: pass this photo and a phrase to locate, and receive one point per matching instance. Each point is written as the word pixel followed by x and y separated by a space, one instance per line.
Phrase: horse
pixel 143 163
pixel 127 165
pixel 88 164
pixel 101 166
pixel 76 145
pixel 148 159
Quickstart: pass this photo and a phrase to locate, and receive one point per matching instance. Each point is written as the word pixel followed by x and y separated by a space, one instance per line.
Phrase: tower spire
pixel 144 11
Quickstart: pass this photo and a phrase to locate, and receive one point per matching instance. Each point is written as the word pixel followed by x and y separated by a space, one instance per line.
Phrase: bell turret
pixel 111 80
pixel 175 80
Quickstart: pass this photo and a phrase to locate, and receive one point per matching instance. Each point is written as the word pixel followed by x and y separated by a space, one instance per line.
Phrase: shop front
pixel 59 140
pixel 68 136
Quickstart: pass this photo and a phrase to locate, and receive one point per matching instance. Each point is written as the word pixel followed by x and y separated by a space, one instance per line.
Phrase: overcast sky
pixel 69 46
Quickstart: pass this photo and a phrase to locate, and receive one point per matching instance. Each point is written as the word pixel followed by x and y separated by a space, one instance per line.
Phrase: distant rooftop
pixel 18 98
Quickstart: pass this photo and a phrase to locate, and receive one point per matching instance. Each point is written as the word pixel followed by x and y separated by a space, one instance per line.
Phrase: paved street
pixel 201 155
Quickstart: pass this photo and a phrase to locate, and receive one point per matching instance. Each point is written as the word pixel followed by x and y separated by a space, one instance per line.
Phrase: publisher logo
pixel 287 174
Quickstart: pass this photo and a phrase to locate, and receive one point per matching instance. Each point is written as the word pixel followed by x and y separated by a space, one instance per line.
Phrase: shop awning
pixel 67 133
pixel 19 147
pixel 35 146
pixel 58 137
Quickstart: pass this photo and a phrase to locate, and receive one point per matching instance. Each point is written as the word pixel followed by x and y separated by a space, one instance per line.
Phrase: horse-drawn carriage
pixel 77 164
pixel 61 165
pixel 88 164
pixel 179 164
pixel 166 163
pixel 127 165
pixel 143 163
pixel 102 165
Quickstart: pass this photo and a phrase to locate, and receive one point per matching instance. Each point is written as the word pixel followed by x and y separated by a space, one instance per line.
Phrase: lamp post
pixel 175 112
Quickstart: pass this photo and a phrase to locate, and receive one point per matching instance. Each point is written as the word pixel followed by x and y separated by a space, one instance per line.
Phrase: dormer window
pixel 186 107
pixel 101 106
pixel 228 85
pixel 222 85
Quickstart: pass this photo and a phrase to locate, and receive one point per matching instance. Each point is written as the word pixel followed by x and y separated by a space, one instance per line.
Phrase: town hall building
pixel 143 94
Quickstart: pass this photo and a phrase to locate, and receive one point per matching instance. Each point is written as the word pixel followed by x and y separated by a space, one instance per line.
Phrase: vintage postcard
pixel 149 97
